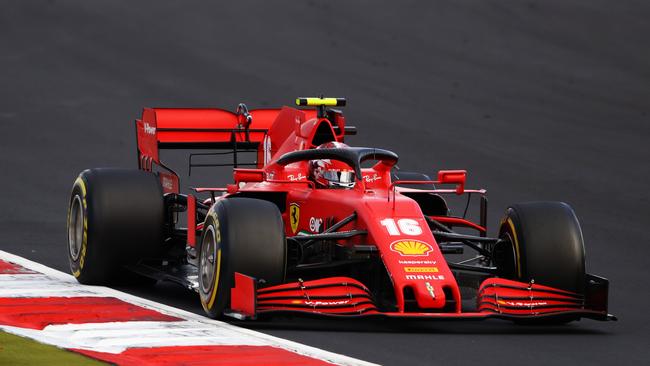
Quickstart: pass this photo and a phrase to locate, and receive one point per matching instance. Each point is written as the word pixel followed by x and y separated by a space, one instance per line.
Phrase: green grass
pixel 19 351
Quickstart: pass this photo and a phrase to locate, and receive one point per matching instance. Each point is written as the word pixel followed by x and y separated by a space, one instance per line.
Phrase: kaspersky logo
pixel 411 248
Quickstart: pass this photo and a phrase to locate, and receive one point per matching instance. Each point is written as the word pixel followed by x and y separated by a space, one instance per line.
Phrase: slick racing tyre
pixel 542 242
pixel 239 235
pixel 115 217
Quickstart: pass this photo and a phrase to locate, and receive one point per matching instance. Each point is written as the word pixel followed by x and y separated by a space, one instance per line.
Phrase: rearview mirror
pixel 248 175
pixel 456 177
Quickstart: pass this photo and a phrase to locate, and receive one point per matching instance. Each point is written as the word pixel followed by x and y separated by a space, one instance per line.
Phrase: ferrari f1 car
pixel 310 225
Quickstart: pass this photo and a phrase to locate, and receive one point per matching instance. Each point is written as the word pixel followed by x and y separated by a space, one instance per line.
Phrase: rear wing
pixel 214 129
pixel 183 128
pixel 260 131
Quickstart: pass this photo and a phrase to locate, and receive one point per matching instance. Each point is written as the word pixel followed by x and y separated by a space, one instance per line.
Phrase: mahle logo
pixel 425 277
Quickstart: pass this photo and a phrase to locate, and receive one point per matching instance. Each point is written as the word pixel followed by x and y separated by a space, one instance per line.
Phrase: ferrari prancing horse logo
pixel 294 216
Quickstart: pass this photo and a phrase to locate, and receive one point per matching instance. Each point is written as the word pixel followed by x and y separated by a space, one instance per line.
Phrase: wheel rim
pixel 207 263
pixel 76 228
pixel 504 257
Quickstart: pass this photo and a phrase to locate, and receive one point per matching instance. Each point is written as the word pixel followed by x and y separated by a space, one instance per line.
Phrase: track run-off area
pixel 108 325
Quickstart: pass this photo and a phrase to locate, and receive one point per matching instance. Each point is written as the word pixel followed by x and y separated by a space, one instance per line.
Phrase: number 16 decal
pixel 403 226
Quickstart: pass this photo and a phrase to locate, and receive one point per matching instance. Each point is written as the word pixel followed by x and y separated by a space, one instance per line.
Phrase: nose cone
pixel 411 255
pixel 429 294
pixel 420 275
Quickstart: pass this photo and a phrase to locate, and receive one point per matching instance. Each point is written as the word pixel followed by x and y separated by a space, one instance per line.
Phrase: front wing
pixel 347 297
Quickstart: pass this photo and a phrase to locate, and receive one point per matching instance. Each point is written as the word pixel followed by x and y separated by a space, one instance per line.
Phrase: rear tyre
pixel 115 217
pixel 543 242
pixel 242 235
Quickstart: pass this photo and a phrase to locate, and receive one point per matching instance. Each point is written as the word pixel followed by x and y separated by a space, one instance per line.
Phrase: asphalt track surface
pixel 538 100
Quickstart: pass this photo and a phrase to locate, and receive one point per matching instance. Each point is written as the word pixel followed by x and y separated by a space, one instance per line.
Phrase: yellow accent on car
pixel 217 231
pixel 411 247
pixel 294 216
pixel 81 184
pixel 316 102
pixel 217 270
pixel 516 243
pixel 421 269
pixel 82 255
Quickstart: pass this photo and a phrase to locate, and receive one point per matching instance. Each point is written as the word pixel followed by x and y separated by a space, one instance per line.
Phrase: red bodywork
pixel 396 227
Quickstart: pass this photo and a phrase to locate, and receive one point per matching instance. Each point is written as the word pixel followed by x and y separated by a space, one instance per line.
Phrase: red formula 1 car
pixel 315 226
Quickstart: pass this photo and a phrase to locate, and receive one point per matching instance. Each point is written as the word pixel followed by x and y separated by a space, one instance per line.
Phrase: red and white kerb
pixel 51 307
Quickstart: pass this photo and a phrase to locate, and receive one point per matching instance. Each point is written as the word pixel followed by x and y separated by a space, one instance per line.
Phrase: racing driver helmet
pixel 327 173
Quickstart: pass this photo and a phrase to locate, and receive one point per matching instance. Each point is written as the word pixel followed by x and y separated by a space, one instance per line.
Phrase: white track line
pixel 115 337
pixel 22 285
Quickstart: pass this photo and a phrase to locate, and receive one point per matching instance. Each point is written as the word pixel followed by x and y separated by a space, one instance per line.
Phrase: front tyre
pixel 239 235
pixel 542 241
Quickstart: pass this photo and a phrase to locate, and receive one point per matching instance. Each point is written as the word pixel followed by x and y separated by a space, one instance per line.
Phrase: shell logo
pixel 411 247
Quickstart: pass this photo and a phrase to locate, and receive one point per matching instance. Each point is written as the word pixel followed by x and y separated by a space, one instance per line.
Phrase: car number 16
pixel 402 227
